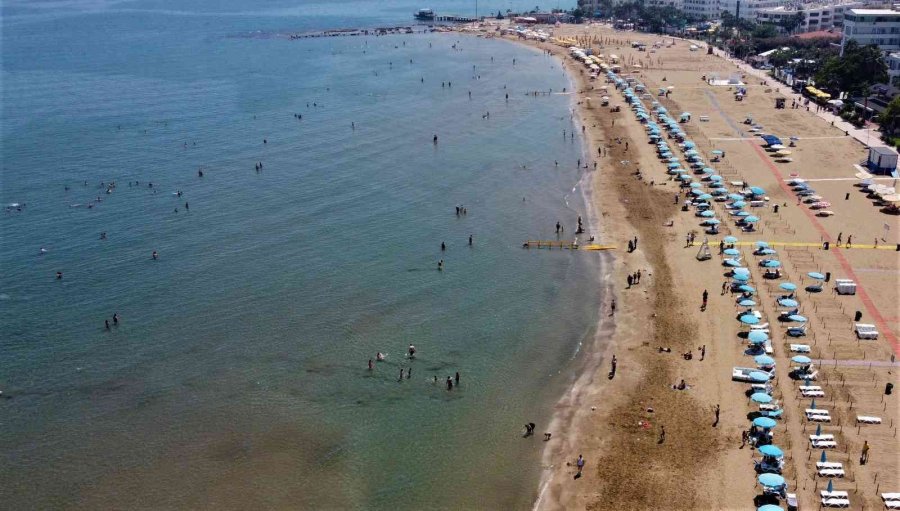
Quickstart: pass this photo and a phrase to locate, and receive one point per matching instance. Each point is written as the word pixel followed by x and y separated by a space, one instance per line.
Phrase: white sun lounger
pixel 865 419
pixel 812 393
pixel 800 348
pixel 810 387
pixel 892 504
pixel 816 416
pixel 792 501
pixel 824 444
pixel 837 494
pixel 890 496
pixel 769 407
pixel 836 502
pixel 831 472
pixel 866 331
pixel 828 464
pixel 826 436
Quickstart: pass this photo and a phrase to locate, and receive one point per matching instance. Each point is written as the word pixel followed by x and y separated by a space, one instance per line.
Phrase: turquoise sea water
pixel 237 376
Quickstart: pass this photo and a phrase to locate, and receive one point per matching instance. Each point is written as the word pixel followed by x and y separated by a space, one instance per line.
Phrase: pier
pixel 564 245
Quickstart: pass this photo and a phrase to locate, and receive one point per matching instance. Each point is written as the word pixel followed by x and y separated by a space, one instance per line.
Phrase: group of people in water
pixel 406 373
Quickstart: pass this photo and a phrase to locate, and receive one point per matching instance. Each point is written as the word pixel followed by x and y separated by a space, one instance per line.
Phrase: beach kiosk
pixel 882 160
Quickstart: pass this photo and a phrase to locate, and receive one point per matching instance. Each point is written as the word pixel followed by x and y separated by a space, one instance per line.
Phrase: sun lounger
pixel 812 393
pixel 809 387
pixel 829 464
pixel 890 496
pixel 865 419
pixel 892 504
pixel 837 494
pixel 824 444
pixel 816 415
pixel 800 348
pixel 792 501
pixel 764 327
pixel 768 407
pixel 807 376
pixel 866 331
pixel 831 472
pixel 826 436
pixel 839 503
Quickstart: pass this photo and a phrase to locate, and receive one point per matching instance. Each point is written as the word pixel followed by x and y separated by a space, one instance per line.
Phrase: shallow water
pixel 237 376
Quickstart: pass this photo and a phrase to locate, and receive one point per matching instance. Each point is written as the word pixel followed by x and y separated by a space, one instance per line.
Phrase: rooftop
pixel 875 12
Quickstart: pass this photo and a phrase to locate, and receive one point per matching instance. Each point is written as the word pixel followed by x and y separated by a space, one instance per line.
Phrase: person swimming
pixel 379 356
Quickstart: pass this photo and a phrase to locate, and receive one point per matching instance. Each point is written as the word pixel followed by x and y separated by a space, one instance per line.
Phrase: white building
pixel 880 27
pixel 893 63
pixel 816 16
pixel 712 9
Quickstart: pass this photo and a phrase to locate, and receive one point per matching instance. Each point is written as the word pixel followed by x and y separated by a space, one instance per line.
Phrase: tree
pixel 578 13
pixel 856 71
pixel 793 21
pixel 890 118
pixel 764 31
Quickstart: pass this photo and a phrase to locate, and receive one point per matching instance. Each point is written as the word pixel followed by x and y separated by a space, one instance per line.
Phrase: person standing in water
pixel 443 246
pixel 449 383
pixel 412 351
pixel 457 378
pixel 470 240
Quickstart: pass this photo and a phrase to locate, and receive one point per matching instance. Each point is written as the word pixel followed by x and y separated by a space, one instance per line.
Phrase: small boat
pixel 424 15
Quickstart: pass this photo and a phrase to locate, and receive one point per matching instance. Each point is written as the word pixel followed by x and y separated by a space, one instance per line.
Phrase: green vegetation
pixel 855 72
pixel 890 119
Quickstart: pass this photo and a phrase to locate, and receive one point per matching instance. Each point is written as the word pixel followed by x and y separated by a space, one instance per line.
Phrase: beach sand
pixel 699 465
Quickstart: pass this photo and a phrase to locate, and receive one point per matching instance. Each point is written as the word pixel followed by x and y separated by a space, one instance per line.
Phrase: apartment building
pixel 880 27
pixel 816 16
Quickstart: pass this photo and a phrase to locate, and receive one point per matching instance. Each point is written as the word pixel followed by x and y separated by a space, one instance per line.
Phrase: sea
pixel 235 376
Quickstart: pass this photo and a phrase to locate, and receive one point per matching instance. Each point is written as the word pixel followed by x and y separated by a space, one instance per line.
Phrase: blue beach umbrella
pixel 770 450
pixel 751 219
pixel 745 271
pixel 816 275
pixel 673 160
pixel 765 423
pixel 746 289
pixel 673 171
pixel 708 214
pixel 772 264
pixel 730 239
pixel 735 196
pixel 754 342
pixel 717 191
pixel 830 486
pixel 787 302
pixel 709 170
pixel 764 360
pixel 762 244
pixel 711 221
pixel 802 359
pixel 705 196
pixel 696 191
pixel 674 165
pixel 738 276
pixel 696 185
pixel 819 432
pixel 749 319
pixel 769 507
pixel 760 377
pixel 767 251
pixel 823 458
pixel 731 251
pixel 758 336
pixel 761 397
pixel 742 214
pixel 684 177
pixel 797 318
pixel 746 303
pixel 755 190
pixel 717 152
pixel 689 144
pixel 715 178
pixel 739 204
pixel 788 286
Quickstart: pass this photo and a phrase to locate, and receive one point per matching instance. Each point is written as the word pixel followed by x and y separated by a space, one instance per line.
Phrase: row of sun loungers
pixel 891 500
pixel 818 415
pixel 836 498
pixel 811 391
pixel 830 469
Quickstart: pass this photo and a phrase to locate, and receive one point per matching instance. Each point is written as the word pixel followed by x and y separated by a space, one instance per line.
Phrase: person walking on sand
pixel 702 352
pixel 724 287
pixel 662 434
pixel 716 423
pixel 840 236
pixel 705 297
pixel 630 280
pixel 612 307
pixel 580 464
pixel 864 458
pixel 849 240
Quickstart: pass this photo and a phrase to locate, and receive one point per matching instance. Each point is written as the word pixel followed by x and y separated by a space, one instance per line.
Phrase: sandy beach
pixel 616 424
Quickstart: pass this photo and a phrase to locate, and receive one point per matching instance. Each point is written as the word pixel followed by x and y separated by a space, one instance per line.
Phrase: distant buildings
pixel 816 16
pixel 880 27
